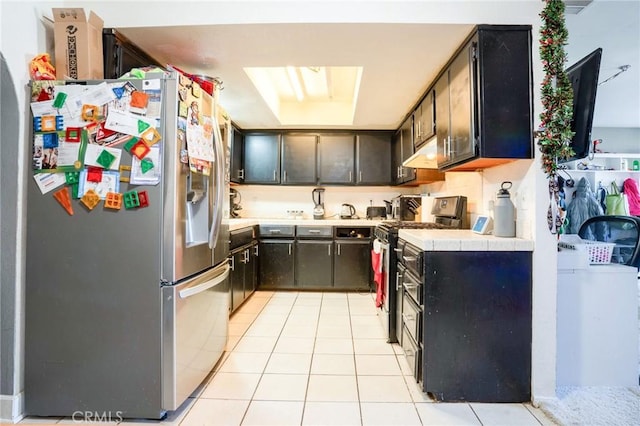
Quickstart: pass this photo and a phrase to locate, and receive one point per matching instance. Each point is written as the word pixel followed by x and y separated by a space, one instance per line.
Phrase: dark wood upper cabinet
pixel 373 158
pixel 299 159
pixel 484 100
pixel 336 158
pixel 236 173
pixel 262 158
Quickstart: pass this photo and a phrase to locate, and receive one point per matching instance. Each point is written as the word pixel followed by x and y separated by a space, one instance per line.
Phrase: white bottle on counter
pixel 504 221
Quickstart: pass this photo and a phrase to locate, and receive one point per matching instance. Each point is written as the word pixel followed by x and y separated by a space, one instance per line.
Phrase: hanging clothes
pixel 583 206
pixel 630 189
pixel 601 196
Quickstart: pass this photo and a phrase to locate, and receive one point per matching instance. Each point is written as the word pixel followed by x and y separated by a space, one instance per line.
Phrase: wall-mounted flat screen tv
pixel 584 81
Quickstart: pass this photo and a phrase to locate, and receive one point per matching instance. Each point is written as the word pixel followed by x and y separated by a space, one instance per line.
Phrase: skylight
pixel 310 95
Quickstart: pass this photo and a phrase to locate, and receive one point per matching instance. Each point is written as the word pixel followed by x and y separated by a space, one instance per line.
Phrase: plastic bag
pixel 615 202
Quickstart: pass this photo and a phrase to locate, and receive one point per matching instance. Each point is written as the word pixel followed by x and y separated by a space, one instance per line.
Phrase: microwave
pixel 405 207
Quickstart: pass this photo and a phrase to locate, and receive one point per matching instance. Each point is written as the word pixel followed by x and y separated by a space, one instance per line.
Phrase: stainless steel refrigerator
pixel 127 311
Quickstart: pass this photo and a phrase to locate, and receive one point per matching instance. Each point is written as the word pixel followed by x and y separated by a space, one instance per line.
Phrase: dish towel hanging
pixel 377 256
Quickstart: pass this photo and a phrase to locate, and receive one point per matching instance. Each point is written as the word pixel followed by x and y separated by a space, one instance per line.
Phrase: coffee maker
pixel 234 203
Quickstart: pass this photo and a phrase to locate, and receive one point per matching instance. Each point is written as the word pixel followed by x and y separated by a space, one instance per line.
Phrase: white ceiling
pixel 399 60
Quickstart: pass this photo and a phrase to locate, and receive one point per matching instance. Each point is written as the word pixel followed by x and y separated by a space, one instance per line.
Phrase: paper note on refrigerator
pixel 49 181
pixel 127 123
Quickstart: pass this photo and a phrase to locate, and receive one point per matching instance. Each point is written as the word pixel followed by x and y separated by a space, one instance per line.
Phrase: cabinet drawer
pixel 240 237
pixel 412 259
pixel 277 231
pixel 412 286
pixel 412 318
pixel 412 354
pixel 314 232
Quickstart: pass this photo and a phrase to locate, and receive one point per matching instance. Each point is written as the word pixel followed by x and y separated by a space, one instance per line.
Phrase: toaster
pixel 374 212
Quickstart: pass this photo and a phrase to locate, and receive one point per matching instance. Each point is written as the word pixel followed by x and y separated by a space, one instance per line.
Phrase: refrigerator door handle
pixel 220 184
pixel 199 288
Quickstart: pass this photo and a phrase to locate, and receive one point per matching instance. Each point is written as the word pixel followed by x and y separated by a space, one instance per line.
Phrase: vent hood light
pixel 425 157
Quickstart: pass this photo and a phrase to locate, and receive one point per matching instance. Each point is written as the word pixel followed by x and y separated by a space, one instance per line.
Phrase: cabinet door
pixel 336 158
pixel 276 264
pixel 251 267
pixel 262 158
pixel 428 125
pixel 298 159
pixel 237 148
pixel 461 105
pixel 236 277
pixel 352 265
pixel 396 158
pixel 373 152
pixel 442 118
pixel 406 131
pixel 313 263
pixel 423 120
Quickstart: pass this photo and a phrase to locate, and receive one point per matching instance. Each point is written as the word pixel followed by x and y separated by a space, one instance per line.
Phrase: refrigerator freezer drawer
pixel 195 317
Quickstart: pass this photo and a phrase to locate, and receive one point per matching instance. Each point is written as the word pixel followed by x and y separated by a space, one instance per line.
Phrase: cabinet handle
pixel 255 250
pixel 284 176
pixel 247 258
pixel 232 263
pixel 241 174
pixel 397 250
pixel 409 258
pixel 338 249
pixel 274 231
pixel 329 250
pixel 360 176
pixel 274 175
pixel 398 281
pixel 289 249
pixel 314 231
pixel 350 176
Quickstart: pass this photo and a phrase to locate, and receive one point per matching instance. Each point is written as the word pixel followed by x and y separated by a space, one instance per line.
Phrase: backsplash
pixel 265 201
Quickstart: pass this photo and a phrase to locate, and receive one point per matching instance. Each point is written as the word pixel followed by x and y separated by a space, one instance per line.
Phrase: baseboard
pixel 11 408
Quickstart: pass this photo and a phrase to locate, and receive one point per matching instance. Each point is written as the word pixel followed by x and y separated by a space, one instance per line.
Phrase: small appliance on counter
pixel 318 200
pixel 235 198
pixel 405 207
pixel 374 212
pixel 347 211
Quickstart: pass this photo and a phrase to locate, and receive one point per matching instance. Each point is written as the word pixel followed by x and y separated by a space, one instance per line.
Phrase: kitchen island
pixel 467 314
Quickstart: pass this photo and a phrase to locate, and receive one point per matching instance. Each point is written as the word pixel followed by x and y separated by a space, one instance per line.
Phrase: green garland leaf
pixel 555 132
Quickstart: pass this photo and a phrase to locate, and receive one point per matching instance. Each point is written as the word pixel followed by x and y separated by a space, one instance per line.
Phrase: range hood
pixel 425 157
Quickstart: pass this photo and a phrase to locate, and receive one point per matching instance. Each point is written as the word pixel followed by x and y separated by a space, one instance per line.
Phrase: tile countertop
pixel 243 223
pixel 461 240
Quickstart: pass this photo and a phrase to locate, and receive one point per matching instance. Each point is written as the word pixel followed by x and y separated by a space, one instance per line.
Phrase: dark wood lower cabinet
pixel 314 264
pixel 243 278
pixel 276 264
pixel 477 326
pixel 332 261
pixel 352 265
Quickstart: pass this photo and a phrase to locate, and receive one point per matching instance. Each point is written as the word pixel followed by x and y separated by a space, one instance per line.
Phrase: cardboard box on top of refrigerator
pixel 78 44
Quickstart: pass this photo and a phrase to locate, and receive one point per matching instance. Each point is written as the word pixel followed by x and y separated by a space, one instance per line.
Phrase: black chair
pixel 624 231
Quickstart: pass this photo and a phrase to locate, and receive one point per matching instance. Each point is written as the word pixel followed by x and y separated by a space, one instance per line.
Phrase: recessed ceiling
pixel 399 60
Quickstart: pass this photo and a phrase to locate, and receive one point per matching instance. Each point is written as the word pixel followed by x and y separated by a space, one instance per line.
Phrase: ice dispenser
pixel 197 220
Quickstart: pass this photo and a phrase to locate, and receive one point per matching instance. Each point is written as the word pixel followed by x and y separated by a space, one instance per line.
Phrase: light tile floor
pixel 314 358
